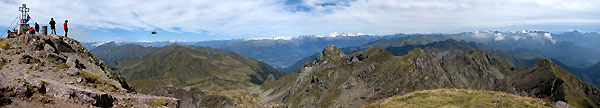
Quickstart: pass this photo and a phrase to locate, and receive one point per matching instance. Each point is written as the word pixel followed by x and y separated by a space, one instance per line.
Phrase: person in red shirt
pixel 31 31
pixel 66 28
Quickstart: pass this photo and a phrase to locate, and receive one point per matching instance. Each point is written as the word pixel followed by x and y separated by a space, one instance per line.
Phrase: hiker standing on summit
pixel 52 26
pixel 37 27
pixel 66 29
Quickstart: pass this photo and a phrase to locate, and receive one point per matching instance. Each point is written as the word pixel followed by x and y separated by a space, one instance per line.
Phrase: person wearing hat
pixel 66 28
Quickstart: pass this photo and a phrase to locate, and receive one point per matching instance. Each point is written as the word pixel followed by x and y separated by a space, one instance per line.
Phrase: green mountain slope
pixel 188 67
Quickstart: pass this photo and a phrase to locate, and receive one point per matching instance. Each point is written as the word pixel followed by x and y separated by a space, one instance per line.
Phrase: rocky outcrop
pixel 55 71
pixel 197 98
pixel 329 54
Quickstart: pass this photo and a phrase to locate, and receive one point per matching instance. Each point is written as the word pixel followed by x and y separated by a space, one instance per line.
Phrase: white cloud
pixel 549 36
pixel 250 18
pixel 517 38
pixel 98 44
pixel 499 36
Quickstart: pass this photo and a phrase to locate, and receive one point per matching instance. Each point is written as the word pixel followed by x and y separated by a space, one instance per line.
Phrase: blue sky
pixel 199 20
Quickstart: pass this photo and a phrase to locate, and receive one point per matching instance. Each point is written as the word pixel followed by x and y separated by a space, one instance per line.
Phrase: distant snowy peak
pixel 336 34
pixel 524 31
pixel 509 32
pixel 271 38
pixel 146 41
pixel 330 35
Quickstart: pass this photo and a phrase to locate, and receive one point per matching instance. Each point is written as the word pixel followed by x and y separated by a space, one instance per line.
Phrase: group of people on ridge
pixel 53 27
pixel 36 28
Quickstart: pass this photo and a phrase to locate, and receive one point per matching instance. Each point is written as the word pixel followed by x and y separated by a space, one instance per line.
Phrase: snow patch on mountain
pixel 336 34
pixel 330 35
pixel 271 38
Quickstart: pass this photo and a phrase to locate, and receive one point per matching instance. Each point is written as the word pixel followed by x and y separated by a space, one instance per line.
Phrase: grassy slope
pixel 5 44
pixel 188 67
pixel 459 98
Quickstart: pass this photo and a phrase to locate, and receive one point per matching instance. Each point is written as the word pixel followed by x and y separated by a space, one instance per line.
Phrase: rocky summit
pixel 336 79
pixel 55 71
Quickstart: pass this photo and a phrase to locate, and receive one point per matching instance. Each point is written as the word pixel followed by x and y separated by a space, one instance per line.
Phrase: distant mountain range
pixel 590 39
pixel 574 48
pixel 522 48
pixel 111 53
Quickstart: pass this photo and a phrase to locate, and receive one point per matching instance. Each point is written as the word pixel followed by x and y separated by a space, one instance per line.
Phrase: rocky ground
pixel 55 71
pixel 462 98
pixel 199 98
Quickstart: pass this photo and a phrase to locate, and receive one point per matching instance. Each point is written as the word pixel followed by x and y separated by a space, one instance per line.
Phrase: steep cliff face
pixel 547 80
pixel 335 79
pixel 58 71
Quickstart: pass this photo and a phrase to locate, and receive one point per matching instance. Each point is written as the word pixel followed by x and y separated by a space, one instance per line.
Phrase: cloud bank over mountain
pixel 247 18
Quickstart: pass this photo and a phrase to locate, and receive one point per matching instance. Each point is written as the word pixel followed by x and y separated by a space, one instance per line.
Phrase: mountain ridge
pixel 180 65
pixel 360 78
